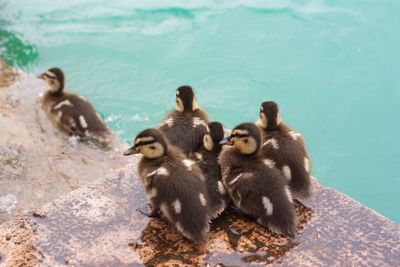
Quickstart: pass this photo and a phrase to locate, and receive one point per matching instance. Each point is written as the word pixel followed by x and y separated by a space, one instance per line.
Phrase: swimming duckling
pixel 256 187
pixel 173 184
pixel 207 159
pixel 186 125
pixel 72 113
pixel 286 149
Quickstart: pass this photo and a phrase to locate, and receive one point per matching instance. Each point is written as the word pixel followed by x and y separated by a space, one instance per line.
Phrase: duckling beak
pixel 226 141
pixel 40 76
pixel 130 151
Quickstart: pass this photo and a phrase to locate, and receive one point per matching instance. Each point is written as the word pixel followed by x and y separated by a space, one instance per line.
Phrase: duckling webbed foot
pixel 154 212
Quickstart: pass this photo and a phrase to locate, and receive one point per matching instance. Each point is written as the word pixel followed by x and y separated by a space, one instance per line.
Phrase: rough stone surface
pixel 98 224
pixel 38 162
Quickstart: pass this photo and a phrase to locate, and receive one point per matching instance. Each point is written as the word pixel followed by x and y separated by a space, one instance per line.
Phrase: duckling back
pixel 286 149
pixel 175 185
pixel 185 129
pixel 217 195
pixel 259 189
pixel 76 116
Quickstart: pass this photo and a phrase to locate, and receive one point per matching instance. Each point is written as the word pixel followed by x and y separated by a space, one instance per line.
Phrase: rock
pixel 98 224
pixel 38 163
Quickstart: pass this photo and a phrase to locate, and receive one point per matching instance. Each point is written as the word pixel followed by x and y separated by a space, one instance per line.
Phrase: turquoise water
pixel 333 66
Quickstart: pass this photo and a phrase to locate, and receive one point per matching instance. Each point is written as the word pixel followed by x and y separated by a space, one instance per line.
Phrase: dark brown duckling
pixel 186 125
pixel 285 149
pixel 72 113
pixel 173 184
pixel 207 159
pixel 256 187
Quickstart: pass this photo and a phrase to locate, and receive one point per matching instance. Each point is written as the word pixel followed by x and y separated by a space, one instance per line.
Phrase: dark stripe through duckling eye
pixel 239 135
pixel 143 143
pixel 48 76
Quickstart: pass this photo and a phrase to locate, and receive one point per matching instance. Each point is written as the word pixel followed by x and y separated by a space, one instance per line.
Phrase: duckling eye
pixel 246 141
pixel 152 147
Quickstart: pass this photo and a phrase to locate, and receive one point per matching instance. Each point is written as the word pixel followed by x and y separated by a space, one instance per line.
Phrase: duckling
pixel 186 125
pixel 286 149
pixel 256 187
pixel 173 184
pixel 72 113
pixel 207 159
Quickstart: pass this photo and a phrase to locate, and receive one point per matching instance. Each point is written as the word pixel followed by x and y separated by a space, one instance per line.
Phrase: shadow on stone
pixel 234 239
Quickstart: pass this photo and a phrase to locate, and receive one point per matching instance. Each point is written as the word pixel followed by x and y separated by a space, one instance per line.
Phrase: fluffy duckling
pixel 286 149
pixel 207 159
pixel 186 125
pixel 72 113
pixel 256 187
pixel 173 184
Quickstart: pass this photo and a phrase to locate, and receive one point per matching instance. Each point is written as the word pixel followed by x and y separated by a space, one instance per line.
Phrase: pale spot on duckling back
pixel 198 156
pixel 287 172
pixel 269 162
pixel 165 210
pixel 294 135
pixel 151 193
pixel 267 205
pixel 306 164
pixel 159 171
pixel 188 163
pixel 169 122
pixel 198 121
pixel 177 206
pixel 221 188
pixel 234 180
pixel 203 200
pixel 272 142
pixel 63 103
pixel 83 122
pixel 83 98
pixel 288 194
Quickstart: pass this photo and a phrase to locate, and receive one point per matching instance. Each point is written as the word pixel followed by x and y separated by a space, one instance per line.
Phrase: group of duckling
pixel 192 169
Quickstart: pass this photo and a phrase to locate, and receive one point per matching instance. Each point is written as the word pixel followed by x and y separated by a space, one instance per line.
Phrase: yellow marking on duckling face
pixel 53 82
pixel 194 104
pixel 240 131
pixel 278 119
pixel 246 145
pixel 179 104
pixel 144 139
pixel 262 121
pixel 208 142
pixel 151 151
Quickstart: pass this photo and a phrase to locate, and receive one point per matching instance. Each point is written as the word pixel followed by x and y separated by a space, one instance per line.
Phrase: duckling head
pixel 270 118
pixel 185 99
pixel 246 138
pixel 55 79
pixel 214 135
pixel 150 142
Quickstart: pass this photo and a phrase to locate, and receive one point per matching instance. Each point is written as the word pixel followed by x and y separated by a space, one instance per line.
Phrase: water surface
pixel 333 66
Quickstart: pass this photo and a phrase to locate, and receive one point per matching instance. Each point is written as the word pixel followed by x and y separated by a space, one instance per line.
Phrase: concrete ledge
pixel 99 225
